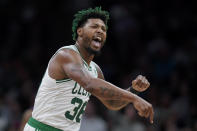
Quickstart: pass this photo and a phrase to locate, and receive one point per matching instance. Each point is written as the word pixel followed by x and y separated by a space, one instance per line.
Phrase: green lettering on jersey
pixel 84 92
pixel 89 94
pixel 73 90
pixel 79 90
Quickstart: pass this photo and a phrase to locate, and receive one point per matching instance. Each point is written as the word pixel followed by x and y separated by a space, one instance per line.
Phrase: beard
pixel 89 49
pixel 92 51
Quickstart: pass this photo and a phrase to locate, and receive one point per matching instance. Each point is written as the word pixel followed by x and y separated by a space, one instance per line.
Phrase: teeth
pixel 99 38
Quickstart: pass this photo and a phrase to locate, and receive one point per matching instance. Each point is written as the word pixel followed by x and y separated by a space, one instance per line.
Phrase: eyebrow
pixel 100 24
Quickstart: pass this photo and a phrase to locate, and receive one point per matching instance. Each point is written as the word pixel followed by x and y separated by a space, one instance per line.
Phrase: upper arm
pixel 71 64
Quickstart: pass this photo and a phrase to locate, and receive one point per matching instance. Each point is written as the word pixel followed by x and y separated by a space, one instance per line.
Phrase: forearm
pixel 107 91
pixel 116 104
pixel 98 87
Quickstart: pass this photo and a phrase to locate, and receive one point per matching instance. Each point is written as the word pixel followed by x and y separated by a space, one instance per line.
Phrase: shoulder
pixel 62 62
pixel 63 57
pixel 65 50
pixel 66 55
pixel 100 73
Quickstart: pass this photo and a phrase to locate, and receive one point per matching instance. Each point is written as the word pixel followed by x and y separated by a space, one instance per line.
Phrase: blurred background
pixel 157 39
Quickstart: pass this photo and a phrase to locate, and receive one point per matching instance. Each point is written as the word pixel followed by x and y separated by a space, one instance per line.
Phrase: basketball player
pixel 71 77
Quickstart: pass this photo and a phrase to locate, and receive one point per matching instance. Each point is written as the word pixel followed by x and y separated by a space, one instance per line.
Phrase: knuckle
pixel 147 115
pixel 150 107
pixel 140 76
pixel 145 109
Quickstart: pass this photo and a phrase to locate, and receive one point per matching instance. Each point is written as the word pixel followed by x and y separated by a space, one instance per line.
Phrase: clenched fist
pixel 140 83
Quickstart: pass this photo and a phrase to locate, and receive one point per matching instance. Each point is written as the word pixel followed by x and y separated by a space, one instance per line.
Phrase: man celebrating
pixel 71 77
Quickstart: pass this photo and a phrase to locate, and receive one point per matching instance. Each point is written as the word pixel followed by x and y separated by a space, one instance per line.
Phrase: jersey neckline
pixel 89 67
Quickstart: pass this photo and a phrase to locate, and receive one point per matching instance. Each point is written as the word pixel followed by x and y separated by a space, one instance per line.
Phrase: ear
pixel 79 31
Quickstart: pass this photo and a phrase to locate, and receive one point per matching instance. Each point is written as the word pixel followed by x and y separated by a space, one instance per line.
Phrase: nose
pixel 99 30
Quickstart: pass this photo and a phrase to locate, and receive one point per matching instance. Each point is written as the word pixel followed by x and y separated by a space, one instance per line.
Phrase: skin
pixel 69 64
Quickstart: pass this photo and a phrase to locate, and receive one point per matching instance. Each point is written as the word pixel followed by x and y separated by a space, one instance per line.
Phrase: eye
pixel 94 26
pixel 104 29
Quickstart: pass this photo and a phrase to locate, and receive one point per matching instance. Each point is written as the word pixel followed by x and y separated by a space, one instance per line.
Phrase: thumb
pixel 140 114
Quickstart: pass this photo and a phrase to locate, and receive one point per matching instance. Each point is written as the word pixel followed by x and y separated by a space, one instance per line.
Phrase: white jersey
pixel 61 103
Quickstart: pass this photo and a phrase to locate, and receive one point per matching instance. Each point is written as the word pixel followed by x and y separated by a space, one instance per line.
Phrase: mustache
pixel 89 40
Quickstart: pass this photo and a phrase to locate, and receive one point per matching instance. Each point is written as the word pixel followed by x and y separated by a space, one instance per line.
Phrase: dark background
pixel 157 39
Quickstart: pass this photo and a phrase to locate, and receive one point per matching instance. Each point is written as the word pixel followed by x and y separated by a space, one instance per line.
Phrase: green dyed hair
pixel 82 16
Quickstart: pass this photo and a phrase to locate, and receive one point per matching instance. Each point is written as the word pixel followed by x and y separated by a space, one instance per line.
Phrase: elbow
pixel 114 108
pixel 88 86
pixel 111 107
pixel 89 89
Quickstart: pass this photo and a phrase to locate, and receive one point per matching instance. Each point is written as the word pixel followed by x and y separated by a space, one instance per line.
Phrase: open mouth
pixel 97 41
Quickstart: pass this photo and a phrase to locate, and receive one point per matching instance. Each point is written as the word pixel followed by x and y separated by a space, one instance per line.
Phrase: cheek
pixel 105 36
pixel 87 38
pixel 87 34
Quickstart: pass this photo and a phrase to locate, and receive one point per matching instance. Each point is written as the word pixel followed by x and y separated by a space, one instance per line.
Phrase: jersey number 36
pixel 78 110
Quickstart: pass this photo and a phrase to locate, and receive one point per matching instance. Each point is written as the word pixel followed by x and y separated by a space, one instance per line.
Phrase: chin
pixel 93 51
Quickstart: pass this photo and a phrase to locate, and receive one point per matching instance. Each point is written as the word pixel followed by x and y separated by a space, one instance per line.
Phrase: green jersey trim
pixel 63 80
pixel 41 126
pixel 89 67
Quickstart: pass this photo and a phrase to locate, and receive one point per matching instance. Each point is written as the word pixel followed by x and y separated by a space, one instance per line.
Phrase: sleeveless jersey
pixel 61 103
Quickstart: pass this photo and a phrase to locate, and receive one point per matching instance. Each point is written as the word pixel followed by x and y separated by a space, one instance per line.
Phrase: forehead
pixel 95 21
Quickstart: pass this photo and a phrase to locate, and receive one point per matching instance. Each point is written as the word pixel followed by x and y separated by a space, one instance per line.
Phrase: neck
pixel 84 53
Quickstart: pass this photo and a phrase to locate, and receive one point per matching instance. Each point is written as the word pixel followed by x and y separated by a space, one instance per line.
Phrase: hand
pixel 140 83
pixel 144 108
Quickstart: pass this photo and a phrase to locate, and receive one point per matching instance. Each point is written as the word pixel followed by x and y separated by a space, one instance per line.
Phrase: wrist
pixel 134 98
pixel 133 90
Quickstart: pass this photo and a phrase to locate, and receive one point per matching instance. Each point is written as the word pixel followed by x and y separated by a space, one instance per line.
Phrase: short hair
pixel 82 16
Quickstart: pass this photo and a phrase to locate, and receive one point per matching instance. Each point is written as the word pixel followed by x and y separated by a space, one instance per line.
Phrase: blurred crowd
pixel 157 39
